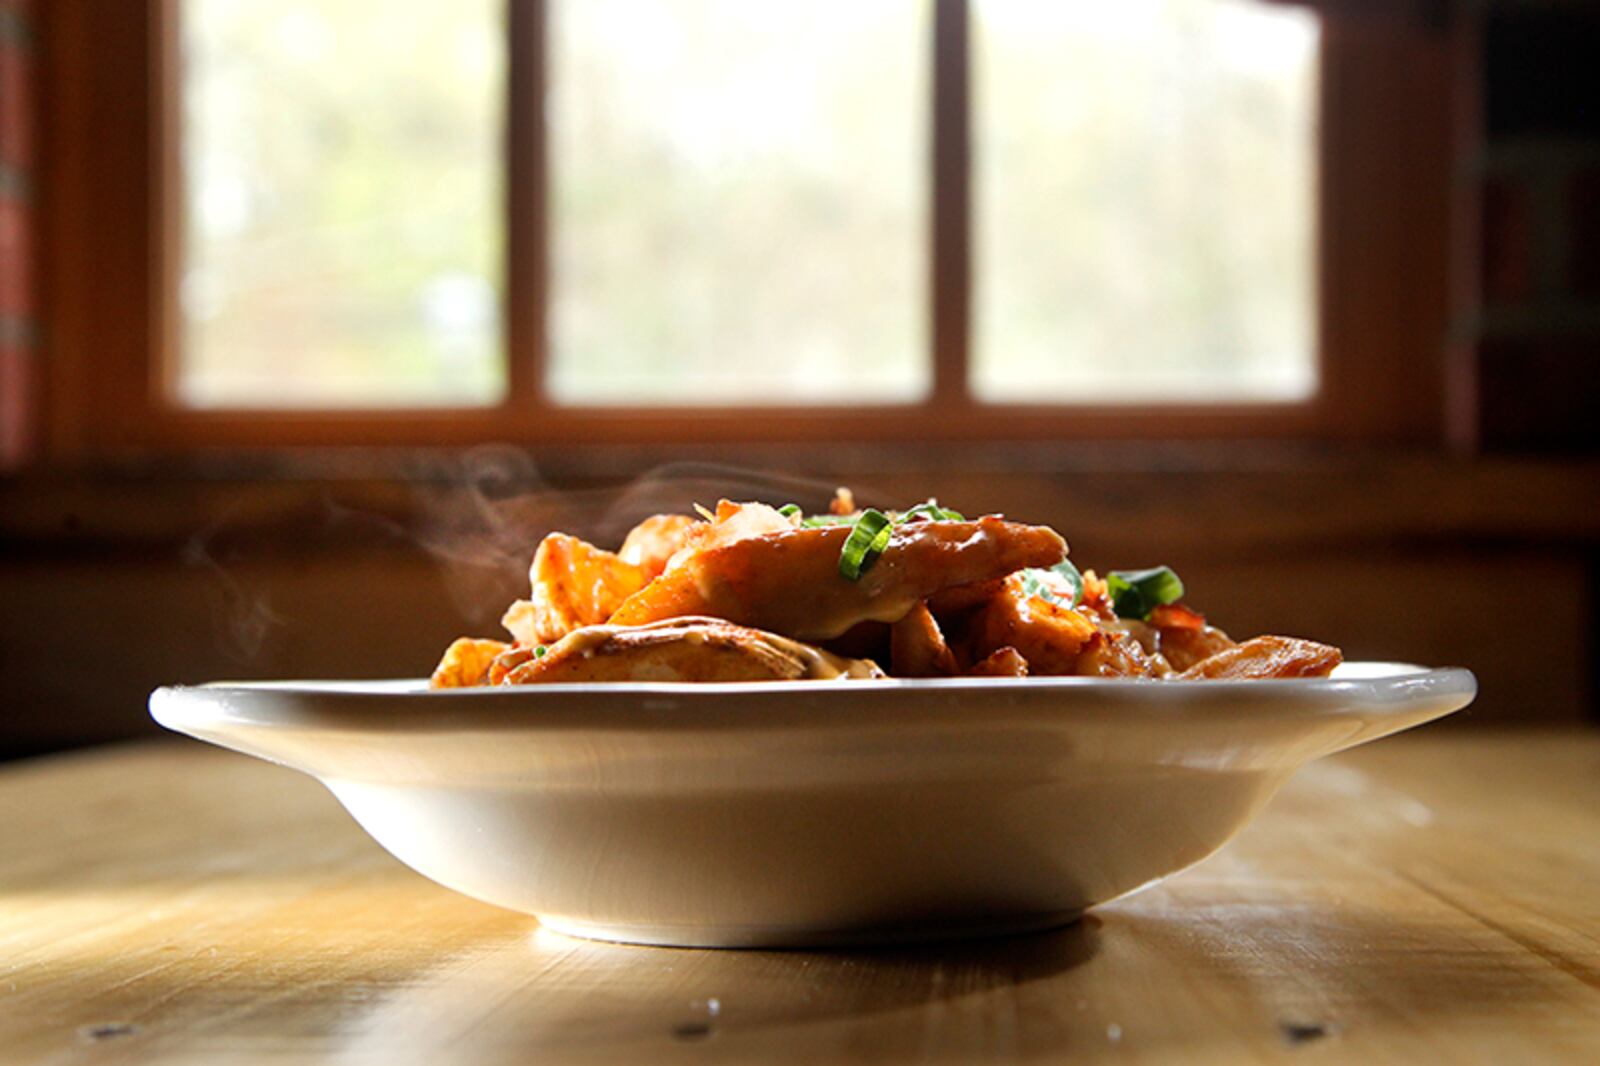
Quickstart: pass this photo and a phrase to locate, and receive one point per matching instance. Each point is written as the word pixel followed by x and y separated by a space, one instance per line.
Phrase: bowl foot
pixel 787 936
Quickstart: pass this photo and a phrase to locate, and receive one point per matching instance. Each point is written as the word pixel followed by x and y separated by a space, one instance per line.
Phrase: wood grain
pixel 1425 899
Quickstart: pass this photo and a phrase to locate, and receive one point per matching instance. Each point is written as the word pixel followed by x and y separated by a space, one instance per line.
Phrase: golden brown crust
pixel 1266 657
pixel 788 581
pixel 1050 637
pixel 917 648
pixel 508 661
pixel 683 649
pixel 655 540
pixel 1002 662
pixel 1111 654
pixel 731 596
pixel 466 663
pixel 575 584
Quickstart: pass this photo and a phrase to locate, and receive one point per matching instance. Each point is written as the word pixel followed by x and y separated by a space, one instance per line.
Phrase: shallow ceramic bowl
pixel 795 813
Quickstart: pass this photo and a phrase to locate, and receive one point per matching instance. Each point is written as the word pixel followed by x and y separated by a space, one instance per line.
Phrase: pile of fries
pixel 751 592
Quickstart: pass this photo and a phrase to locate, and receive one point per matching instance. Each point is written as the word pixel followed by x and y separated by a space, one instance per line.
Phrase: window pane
pixel 1144 200
pixel 342 213
pixel 739 201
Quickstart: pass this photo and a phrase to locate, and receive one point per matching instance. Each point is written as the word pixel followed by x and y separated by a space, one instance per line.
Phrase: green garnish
pixel 1135 593
pixel 1036 582
pixel 871 532
pixel 862 547
pixel 539 650
pixel 933 511
pixel 789 510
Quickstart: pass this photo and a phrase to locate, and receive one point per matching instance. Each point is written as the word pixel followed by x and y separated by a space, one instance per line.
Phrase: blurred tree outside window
pixel 739 202
pixel 739 196
pixel 1144 186
pixel 342 232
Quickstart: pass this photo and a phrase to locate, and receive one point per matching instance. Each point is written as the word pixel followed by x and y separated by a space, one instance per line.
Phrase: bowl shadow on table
pixel 612 997
pixel 1156 982
pixel 1160 977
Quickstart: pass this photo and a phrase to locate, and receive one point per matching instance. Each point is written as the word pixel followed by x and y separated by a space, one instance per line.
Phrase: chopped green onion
pixel 868 537
pixel 880 542
pixel 1036 582
pixel 539 650
pixel 818 521
pixel 789 510
pixel 1135 593
pixel 933 511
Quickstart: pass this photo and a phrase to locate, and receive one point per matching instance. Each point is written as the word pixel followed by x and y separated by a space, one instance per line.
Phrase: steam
pixel 479 514
pixel 675 487
pixel 247 615
pixel 482 513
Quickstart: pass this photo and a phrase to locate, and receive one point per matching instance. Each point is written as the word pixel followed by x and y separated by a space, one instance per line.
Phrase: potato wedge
pixel 575 584
pixel 655 540
pixel 466 663
pixel 1266 657
pixel 1049 636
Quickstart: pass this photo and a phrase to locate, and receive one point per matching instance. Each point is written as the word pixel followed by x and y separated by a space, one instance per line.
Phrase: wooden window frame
pixel 110 224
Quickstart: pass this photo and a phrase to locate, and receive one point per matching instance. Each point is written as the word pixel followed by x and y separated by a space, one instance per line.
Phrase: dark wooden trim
pixel 96 224
pixel 950 259
pixel 527 202
pixel 1384 219
pixel 1460 387
pixel 167 196
pixel 175 430
pixel 1239 502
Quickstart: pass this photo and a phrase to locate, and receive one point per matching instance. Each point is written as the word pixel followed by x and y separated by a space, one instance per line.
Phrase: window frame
pixel 111 87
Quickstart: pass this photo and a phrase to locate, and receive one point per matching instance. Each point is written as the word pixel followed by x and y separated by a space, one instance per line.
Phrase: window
pixel 737 196
pixel 737 201
pixel 1144 214
pixel 712 220
pixel 341 241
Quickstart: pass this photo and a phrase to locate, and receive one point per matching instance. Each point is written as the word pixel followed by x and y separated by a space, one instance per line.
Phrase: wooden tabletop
pixel 1432 898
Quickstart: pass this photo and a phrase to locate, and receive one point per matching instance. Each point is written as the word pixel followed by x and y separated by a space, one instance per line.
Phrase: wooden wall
pixel 114 584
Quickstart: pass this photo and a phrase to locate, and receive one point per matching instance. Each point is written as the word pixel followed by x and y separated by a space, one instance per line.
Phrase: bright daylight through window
pixel 343 216
pixel 1144 183
pixel 739 202
pixel 739 197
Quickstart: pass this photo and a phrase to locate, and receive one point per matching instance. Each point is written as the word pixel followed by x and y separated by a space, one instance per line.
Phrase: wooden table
pixel 1433 898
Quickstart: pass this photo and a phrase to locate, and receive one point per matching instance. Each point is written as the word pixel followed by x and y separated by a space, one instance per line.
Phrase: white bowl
pixel 805 813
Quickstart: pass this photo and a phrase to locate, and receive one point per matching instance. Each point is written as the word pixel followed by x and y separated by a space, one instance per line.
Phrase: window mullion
pixel 527 225
pixel 950 273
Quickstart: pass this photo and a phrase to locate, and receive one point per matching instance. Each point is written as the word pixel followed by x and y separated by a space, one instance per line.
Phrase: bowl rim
pixel 1385 690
